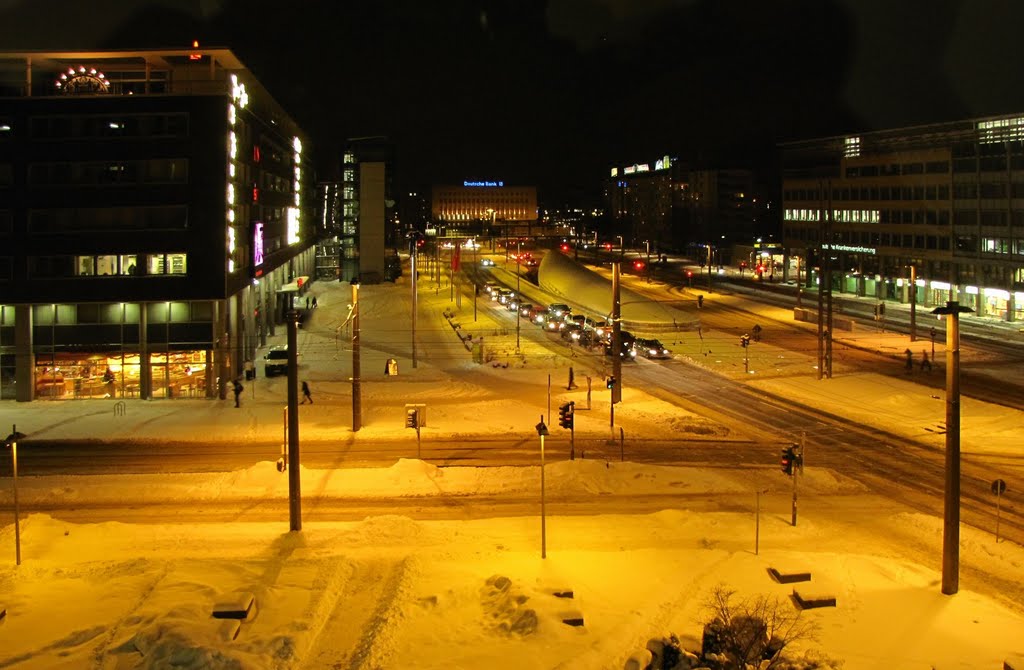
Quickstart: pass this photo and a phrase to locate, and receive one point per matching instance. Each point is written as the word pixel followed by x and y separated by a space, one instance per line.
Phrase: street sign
pixel 999 487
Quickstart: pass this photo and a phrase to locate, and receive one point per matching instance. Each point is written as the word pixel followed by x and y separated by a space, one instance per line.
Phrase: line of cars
pixel 577 328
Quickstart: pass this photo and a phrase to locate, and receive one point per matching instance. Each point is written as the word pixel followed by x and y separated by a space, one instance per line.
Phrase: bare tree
pixel 751 632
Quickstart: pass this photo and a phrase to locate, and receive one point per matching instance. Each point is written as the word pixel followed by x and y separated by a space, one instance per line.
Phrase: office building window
pixel 166 264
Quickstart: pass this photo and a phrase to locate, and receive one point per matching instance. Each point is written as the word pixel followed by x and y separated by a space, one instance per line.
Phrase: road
pixel 890 465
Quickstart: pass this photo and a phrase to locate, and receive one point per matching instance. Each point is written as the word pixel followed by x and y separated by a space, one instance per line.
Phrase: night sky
pixel 555 92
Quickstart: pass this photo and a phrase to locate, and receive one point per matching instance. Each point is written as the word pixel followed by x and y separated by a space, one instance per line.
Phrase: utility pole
pixel 357 401
pixel 913 304
pixel 616 336
pixel 951 507
pixel 294 481
pixel 415 272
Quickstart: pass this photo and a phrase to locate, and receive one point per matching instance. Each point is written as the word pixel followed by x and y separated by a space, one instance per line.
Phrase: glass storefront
pixel 81 375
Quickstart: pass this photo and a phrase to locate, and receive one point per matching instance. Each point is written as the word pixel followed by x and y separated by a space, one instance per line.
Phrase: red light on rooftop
pixel 195 45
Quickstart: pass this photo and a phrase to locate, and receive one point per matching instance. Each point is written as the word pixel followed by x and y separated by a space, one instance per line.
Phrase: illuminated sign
pixel 483 183
pixel 257 244
pixel 615 172
pixel 82 80
pixel 629 170
pixel 293 225
pixel 844 247
pixel 663 163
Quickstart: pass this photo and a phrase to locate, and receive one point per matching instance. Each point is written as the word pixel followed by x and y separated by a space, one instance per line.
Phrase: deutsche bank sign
pixel 483 183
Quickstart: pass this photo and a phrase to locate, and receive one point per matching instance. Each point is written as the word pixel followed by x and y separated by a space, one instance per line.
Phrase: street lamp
pixel 951 515
pixel 542 431
pixel 12 442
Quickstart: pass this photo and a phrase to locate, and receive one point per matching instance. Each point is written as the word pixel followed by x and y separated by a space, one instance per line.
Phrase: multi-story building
pixel 945 199
pixel 368 230
pixel 476 205
pixel 154 221
pixel 679 207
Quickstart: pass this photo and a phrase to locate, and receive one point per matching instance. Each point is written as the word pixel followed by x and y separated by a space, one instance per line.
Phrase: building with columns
pixel 155 222
pixel 943 201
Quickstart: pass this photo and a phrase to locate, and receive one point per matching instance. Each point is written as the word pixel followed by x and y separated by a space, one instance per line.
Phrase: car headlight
pixel 652 352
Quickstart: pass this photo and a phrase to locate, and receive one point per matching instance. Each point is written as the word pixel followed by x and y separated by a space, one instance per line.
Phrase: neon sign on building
pixel 239 100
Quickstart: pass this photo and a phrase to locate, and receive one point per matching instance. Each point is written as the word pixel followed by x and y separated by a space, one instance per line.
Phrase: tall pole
pixel 542 429
pixel 951 515
pixel 913 304
pixel 828 285
pixel 17 508
pixel 415 272
pixel 519 272
pixel 357 401
pixel 709 267
pixel 616 337
pixel 294 482
pixel 799 284
pixel 648 261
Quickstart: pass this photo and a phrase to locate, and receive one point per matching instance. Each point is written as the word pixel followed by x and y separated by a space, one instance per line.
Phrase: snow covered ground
pixel 391 592
pixel 397 592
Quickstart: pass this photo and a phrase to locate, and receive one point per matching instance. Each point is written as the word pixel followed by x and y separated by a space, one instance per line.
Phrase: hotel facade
pixel 155 222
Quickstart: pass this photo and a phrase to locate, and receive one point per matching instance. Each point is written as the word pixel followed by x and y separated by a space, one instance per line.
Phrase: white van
pixel 276 361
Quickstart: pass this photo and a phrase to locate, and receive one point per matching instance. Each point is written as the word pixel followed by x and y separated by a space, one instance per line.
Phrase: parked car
pixel 275 362
pixel 651 348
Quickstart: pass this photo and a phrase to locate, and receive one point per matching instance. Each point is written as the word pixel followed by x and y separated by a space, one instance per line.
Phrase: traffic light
pixel 565 415
pixel 745 341
pixel 638 265
pixel 412 418
pixel 689 273
pixel 610 382
pixel 564 247
pixel 790 459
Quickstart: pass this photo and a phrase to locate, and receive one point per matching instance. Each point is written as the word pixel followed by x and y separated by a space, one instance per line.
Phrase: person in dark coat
pixel 238 388
pixel 305 394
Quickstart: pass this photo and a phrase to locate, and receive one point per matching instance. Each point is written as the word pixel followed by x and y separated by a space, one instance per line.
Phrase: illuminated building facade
pixel 154 222
pixel 477 203
pixel 947 199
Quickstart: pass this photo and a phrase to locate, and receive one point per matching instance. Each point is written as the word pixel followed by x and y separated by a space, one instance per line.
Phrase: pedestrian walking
pixel 909 367
pixel 572 380
pixel 307 302
pixel 238 388
pixel 926 363
pixel 314 302
pixel 305 394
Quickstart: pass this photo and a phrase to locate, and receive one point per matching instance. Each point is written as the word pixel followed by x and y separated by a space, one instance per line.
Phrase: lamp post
pixel 12 441
pixel 951 506
pixel 542 431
